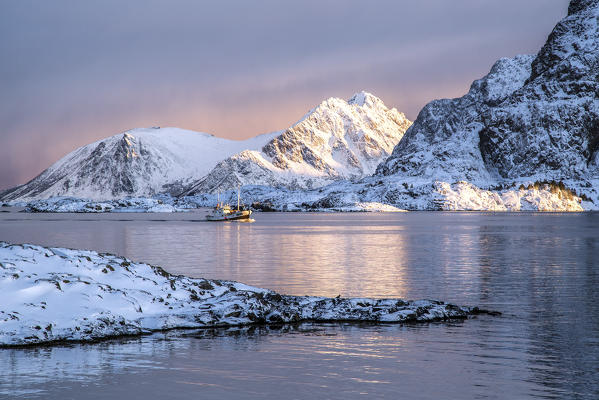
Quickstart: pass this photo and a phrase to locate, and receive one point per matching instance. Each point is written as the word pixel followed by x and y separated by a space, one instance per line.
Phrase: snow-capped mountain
pixel 336 140
pixel 139 162
pixel 531 117
pixel 525 137
pixel 443 142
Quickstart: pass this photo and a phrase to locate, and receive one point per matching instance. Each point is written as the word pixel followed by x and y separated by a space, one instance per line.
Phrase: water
pixel 540 270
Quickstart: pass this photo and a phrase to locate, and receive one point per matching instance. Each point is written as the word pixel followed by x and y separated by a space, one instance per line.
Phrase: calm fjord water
pixel 540 270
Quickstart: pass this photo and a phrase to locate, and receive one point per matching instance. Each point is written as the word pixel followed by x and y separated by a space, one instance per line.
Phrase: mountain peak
pixel 128 137
pixel 363 98
pixel 572 45
pixel 136 162
pixel 335 105
pixel 338 139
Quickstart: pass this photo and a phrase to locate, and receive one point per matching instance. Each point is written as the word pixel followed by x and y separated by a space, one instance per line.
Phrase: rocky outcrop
pixel 75 205
pixel 530 117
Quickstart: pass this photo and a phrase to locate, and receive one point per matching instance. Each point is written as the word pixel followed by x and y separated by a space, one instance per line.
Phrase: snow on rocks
pixel 464 196
pixel 75 205
pixel 389 194
pixel 531 115
pixel 56 294
pixel 386 194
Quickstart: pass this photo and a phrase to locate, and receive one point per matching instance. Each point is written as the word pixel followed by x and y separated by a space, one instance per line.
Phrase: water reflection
pixel 256 362
pixel 548 273
pixel 540 270
pixel 316 260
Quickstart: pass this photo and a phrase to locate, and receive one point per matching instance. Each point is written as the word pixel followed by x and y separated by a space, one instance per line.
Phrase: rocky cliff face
pixel 336 140
pixel 550 126
pixel 443 143
pixel 532 117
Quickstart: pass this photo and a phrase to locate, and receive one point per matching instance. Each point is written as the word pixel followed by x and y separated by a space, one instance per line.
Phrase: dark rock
pixel 528 116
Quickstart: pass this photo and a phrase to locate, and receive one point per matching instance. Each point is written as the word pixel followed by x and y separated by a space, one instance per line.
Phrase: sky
pixel 74 72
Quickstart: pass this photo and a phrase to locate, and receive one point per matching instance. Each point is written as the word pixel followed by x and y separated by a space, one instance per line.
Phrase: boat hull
pixel 232 216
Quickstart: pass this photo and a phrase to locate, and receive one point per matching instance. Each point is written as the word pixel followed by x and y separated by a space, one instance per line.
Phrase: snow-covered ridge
pixel 389 194
pixel 336 140
pixel 443 142
pixel 139 162
pixel 371 194
pixel 57 294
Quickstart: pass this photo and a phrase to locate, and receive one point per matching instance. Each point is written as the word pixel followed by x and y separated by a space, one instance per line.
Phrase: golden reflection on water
pixel 364 256
pixel 319 260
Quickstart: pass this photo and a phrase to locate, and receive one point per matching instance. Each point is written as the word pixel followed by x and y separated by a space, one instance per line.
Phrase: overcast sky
pixel 72 72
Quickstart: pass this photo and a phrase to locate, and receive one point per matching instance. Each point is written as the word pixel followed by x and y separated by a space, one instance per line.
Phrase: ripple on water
pixel 541 271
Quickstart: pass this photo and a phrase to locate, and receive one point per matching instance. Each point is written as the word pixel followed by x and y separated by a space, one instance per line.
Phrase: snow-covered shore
pixel 76 205
pixel 372 194
pixel 56 294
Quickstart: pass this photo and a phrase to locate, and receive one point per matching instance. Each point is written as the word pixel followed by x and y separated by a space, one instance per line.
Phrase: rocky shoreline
pixel 57 295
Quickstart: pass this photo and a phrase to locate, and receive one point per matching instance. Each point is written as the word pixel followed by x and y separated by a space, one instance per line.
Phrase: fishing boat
pixel 224 212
